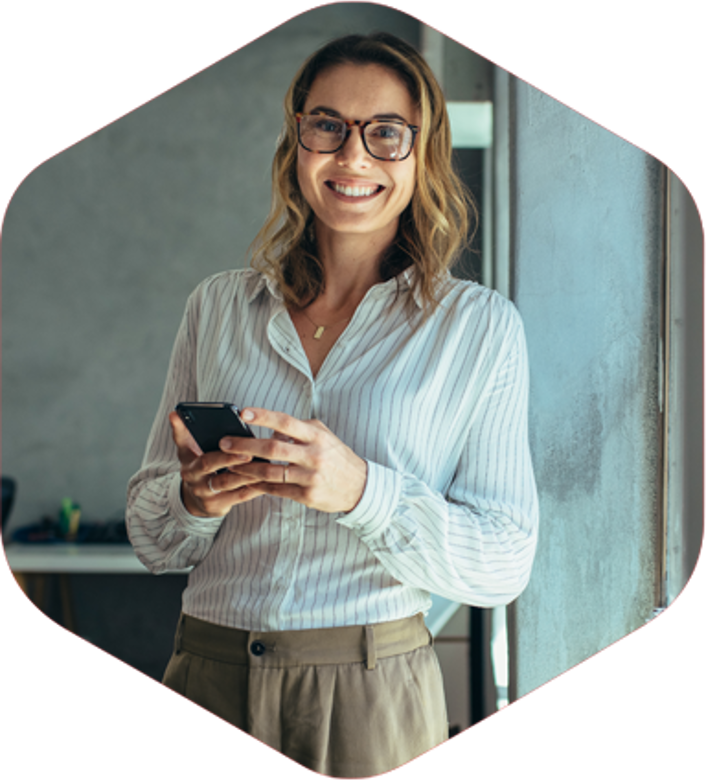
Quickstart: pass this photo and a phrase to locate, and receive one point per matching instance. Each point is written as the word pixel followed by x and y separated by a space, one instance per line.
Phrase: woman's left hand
pixel 321 471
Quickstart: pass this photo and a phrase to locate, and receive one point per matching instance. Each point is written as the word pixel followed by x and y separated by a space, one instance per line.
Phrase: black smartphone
pixel 208 422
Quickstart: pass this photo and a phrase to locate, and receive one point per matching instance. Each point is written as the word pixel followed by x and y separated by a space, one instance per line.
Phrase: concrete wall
pixel 586 247
pixel 103 243
pixel 685 448
pixel 101 246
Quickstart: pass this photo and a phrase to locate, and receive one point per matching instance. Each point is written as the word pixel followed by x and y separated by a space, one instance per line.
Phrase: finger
pixel 195 470
pixel 280 436
pixel 194 462
pixel 214 495
pixel 277 449
pixel 275 473
pixel 223 483
pixel 183 439
pixel 291 491
pixel 219 504
pixel 283 423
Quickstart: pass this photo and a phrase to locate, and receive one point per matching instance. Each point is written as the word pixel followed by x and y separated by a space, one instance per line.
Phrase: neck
pixel 351 265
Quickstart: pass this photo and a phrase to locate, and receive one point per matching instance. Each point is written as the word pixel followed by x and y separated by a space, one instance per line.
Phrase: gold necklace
pixel 318 334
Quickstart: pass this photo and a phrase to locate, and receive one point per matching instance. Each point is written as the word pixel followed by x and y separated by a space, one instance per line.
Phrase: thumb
pixel 182 437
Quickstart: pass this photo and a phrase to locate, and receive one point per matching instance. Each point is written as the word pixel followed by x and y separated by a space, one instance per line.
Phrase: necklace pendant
pixel 319 331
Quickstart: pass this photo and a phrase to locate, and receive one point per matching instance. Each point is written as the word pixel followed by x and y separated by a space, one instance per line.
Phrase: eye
pixel 326 125
pixel 387 131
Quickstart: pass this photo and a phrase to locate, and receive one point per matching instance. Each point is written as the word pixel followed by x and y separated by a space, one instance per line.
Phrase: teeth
pixel 347 190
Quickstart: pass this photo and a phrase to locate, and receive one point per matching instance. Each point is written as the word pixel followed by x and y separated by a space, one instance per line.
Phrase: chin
pixel 358 227
pixel 356 223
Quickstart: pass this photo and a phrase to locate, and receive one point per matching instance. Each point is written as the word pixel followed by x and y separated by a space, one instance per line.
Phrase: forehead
pixel 361 92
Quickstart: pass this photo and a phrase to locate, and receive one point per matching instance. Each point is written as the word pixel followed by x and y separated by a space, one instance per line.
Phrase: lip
pixel 337 185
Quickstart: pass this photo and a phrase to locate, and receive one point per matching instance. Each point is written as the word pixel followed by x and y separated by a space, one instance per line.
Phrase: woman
pixel 392 401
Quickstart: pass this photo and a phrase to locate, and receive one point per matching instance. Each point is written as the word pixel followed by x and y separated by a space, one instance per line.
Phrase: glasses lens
pixel 385 140
pixel 388 140
pixel 321 134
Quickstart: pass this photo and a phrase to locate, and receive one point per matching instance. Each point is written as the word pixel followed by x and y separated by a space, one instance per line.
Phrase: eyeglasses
pixel 383 139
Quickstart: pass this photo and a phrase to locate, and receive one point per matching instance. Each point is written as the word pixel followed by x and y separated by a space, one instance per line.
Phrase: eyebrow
pixel 387 115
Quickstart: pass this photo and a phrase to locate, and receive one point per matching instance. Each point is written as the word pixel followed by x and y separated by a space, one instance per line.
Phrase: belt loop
pixel 177 638
pixel 370 651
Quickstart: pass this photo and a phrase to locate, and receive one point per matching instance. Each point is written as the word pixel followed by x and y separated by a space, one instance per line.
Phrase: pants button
pixel 257 648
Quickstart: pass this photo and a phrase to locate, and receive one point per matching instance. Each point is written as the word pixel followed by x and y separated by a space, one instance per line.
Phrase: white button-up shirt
pixel 437 408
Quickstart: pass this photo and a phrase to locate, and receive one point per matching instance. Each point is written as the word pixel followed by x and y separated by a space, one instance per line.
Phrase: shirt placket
pixel 286 343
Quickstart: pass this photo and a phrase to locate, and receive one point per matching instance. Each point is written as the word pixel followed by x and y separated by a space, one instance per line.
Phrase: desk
pixel 36 561
pixel 64 559
pixel 73 559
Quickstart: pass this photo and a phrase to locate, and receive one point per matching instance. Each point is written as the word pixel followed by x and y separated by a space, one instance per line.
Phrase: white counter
pixel 121 559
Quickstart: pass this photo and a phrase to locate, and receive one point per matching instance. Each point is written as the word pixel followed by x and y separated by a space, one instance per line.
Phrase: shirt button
pixel 257 648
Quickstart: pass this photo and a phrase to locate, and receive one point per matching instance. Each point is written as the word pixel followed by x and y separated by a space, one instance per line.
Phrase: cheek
pixel 301 168
pixel 306 172
pixel 410 183
pixel 411 169
pixel 302 178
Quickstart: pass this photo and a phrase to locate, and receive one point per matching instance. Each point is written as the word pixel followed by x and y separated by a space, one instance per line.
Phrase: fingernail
pixel 226 443
pixel 248 415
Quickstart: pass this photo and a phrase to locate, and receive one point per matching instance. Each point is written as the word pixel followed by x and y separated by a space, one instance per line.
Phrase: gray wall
pixel 103 243
pixel 685 448
pixel 587 251
pixel 101 247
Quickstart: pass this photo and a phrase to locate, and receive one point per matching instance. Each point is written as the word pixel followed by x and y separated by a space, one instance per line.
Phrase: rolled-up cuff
pixel 380 498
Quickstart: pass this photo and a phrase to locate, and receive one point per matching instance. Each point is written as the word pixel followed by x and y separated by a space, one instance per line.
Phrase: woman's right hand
pixel 203 492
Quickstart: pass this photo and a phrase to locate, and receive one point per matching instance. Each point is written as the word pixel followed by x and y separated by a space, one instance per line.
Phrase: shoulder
pixel 472 302
pixel 235 281
pixel 228 287
pixel 479 322
pixel 486 326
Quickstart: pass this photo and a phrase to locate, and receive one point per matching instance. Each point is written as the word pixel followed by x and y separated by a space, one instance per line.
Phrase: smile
pixel 356 191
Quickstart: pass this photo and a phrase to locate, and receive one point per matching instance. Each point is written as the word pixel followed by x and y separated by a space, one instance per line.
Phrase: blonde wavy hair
pixel 434 227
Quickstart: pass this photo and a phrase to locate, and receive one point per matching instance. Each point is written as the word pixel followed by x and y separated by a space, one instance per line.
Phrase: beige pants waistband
pixel 318 646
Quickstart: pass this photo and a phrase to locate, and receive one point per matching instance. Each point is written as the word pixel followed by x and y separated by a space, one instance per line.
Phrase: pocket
pixel 176 674
pixel 426 679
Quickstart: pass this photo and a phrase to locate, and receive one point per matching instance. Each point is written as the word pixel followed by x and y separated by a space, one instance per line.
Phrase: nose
pixel 353 153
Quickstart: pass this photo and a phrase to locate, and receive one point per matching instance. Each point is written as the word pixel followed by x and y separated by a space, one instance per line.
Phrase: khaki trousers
pixel 346 702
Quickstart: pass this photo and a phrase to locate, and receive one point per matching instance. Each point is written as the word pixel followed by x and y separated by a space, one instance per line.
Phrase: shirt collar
pixel 257 281
pixel 404 282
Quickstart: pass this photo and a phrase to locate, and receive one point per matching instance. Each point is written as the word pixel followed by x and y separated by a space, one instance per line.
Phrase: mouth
pixel 354 191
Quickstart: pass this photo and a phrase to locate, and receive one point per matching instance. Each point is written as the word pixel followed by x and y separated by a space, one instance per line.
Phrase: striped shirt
pixel 436 407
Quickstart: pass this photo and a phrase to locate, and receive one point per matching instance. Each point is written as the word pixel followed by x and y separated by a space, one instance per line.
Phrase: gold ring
pixel 210 486
pixel 285 468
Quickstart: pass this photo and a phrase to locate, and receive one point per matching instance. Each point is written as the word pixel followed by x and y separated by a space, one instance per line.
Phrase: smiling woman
pixel 393 399
pixel 349 190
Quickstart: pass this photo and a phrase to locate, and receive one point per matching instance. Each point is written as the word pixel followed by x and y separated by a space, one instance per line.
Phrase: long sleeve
pixel 474 543
pixel 164 535
pixel 437 408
